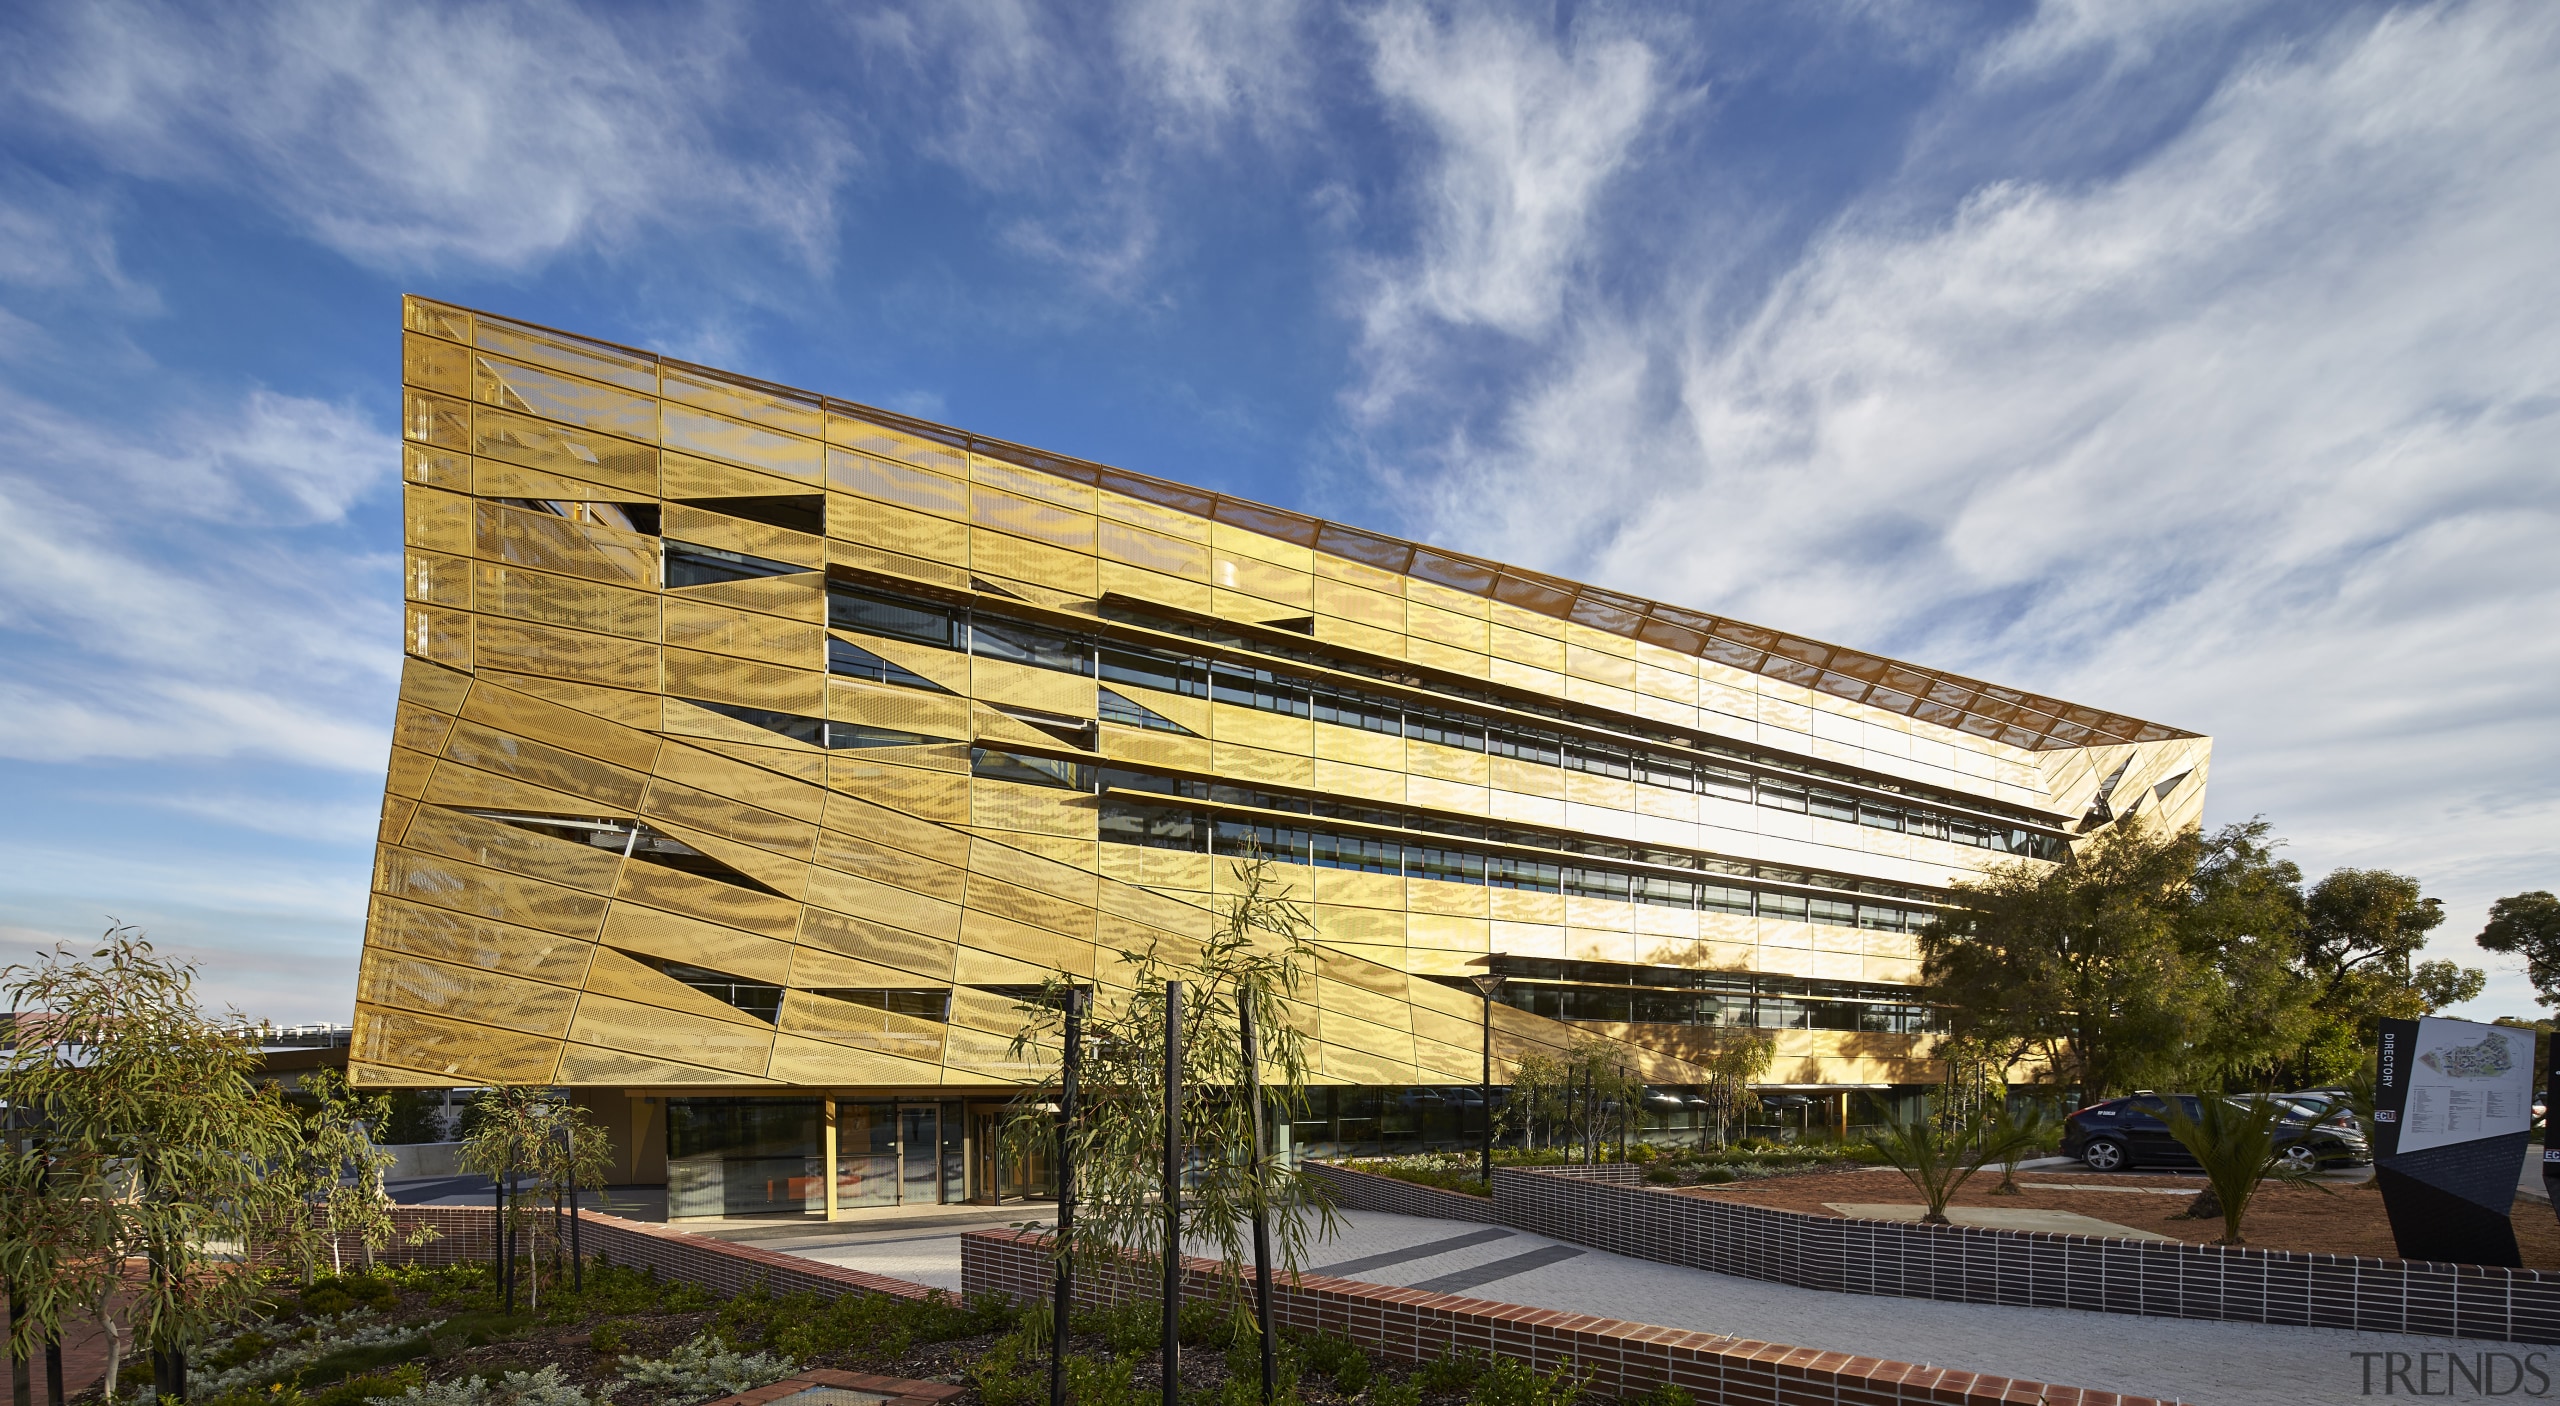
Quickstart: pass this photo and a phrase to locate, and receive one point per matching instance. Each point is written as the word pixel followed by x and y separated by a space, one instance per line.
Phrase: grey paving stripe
pixel 1417 1252
pixel 1482 1274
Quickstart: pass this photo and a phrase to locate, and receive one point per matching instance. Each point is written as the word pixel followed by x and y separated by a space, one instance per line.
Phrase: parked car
pixel 2124 1133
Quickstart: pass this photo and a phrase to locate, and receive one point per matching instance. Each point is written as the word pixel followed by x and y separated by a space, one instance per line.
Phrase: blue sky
pixel 2198 360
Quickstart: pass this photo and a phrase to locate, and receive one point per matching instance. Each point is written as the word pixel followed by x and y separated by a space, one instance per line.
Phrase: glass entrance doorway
pixel 920 1159
pixel 899 1154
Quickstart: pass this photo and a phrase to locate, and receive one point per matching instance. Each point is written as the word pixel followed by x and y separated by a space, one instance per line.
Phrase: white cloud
pixel 1085 122
pixel 180 589
pixel 2252 435
pixel 1525 128
pixel 412 137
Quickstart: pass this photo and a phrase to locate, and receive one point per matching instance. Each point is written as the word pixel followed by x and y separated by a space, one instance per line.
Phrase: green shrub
pixel 1663 1395
pixel 706 1366
pixel 608 1340
pixel 1663 1176
pixel 1014 1372
pixel 1508 1381
pixel 1339 1360
pixel 1457 1370
pixel 1396 1394
pixel 1717 1176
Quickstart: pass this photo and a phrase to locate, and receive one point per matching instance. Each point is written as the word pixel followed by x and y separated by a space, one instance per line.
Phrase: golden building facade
pixel 755 750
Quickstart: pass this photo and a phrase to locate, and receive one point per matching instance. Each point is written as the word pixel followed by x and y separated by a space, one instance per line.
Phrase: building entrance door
pixel 920 1159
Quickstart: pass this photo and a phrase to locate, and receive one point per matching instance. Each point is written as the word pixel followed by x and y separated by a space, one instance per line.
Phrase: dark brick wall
pixel 1621 1359
pixel 1356 1190
pixel 1966 1264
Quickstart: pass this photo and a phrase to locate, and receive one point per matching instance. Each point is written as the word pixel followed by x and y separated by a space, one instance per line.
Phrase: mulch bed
pixel 2347 1220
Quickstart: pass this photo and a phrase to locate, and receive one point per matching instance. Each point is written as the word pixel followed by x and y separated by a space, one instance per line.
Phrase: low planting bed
pixel 2348 1219
pixel 1748 1160
pixel 437 1336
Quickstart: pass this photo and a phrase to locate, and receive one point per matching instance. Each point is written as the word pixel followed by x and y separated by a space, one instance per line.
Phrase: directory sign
pixel 2453 1106
pixel 2465 1082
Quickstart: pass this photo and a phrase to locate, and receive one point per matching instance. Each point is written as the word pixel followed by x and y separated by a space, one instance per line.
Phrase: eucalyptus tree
pixel 1259 957
pixel 143 1136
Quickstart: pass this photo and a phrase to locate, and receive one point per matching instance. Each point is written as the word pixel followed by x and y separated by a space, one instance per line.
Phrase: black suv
pixel 2129 1132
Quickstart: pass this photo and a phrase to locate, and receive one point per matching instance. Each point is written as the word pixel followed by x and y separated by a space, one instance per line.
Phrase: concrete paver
pixel 2227 1364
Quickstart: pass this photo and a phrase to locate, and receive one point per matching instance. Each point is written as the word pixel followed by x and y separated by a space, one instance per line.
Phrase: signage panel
pixel 2453 1107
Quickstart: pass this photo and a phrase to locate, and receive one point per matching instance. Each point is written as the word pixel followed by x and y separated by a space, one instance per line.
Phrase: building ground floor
pixel 836 1154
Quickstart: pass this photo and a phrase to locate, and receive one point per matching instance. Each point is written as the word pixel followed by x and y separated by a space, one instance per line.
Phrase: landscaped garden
pixel 2342 1219
pixel 440 1337
pixel 1745 1159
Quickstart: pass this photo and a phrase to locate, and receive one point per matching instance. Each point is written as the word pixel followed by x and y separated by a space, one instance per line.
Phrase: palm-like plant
pixel 1938 1161
pixel 2023 1133
pixel 2234 1140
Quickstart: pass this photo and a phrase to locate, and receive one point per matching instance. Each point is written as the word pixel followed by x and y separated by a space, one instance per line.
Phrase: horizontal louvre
pixel 559 600
pixel 562 449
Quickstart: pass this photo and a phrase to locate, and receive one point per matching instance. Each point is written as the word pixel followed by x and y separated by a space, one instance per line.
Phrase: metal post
pixel 1063 1274
pixel 1488 986
pixel 498 1230
pixel 1261 1194
pixel 569 1174
pixel 506 1231
pixel 21 1389
pixel 1626 1112
pixel 53 1366
pixel 1172 1349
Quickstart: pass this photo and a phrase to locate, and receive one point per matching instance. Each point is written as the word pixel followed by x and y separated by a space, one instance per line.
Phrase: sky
pixel 2194 359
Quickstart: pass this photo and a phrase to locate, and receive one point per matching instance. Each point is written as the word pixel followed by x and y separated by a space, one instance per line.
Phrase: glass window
pixel 744 1157
pixel 1879 815
pixel 1445 728
pixel 1724 783
pixel 1526 744
pixel 1510 872
pixel 1257 688
pixel 689 564
pixel 799 729
pixel 1921 822
pixel 1664 892
pixel 1286 844
pixel 1674 773
pixel 1831 805
pixel 1453 866
pixel 1835 911
pixel 1785 906
pixel 1344 708
pixel 1149 668
pixel 1600 759
pixel 1017 643
pixel 924 1003
pixel 1112 708
pixel 1030 771
pixel 1780 795
pixel 1718 898
pixel 853 661
pixel 869 613
pixel 1361 853
pixel 1879 917
pixel 1595 883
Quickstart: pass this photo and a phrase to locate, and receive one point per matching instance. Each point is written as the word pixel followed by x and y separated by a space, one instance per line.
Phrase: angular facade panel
pixel 755 749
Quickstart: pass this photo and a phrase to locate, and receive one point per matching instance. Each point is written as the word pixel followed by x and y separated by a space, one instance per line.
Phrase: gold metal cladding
pixel 596 782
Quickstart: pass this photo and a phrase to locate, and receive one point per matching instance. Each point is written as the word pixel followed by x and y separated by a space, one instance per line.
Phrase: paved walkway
pixel 2224 1364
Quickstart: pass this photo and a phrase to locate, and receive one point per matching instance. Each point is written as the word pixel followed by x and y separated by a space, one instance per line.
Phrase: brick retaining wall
pixel 1969 1264
pixel 465 1236
pixel 1620 1358
pixel 1356 1190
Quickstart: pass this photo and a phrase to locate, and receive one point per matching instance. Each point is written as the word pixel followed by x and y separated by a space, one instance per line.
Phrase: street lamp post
pixel 1488 985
